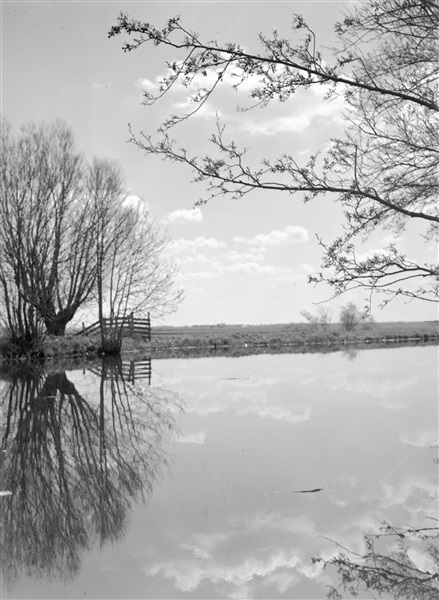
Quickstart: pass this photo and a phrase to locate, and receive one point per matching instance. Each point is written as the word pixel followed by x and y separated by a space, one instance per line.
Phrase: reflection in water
pixel 75 465
pixel 386 566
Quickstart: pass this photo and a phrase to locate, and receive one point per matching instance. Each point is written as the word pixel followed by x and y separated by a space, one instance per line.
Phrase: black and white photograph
pixel 219 293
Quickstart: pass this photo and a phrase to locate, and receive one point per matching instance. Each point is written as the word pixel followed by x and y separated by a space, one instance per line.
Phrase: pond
pixel 218 478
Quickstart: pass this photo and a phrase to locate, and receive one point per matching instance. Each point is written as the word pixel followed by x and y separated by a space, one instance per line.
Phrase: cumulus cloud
pixel 133 201
pixel 198 243
pixel 251 267
pixel 287 235
pixel 251 254
pixel 192 216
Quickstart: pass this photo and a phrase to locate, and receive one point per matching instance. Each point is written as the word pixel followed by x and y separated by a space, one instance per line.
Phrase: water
pixel 221 479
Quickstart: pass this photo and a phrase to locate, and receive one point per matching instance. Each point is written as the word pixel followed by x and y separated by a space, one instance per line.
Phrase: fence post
pixel 131 322
pixel 149 327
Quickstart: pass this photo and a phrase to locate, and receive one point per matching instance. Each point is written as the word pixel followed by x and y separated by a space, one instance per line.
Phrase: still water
pixel 221 478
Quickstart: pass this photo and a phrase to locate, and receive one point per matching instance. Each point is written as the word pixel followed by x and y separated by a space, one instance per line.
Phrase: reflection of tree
pixel 75 466
pixel 387 568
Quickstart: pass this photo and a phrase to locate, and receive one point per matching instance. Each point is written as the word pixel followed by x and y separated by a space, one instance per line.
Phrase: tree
pixel 383 172
pixel 46 231
pixel 68 238
pixel 132 272
pixel 350 316
pixel 323 317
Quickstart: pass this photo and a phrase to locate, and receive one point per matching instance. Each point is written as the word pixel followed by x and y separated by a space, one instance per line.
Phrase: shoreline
pixel 234 340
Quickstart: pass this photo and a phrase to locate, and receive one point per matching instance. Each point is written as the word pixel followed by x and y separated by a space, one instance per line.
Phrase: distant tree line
pixel 350 317
pixel 69 238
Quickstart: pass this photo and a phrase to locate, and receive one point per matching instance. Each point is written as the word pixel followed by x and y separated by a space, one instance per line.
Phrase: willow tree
pixel 46 231
pixel 383 172
pixel 68 239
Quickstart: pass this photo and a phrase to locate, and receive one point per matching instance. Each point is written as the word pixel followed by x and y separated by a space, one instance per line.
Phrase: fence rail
pixel 128 324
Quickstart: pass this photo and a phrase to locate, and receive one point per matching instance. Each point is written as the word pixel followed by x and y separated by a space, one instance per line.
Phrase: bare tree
pixel 383 172
pixel 68 237
pixel 133 274
pixel 46 233
pixel 323 317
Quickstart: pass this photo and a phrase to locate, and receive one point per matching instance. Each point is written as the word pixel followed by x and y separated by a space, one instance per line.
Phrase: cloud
pixel 287 235
pixel 252 267
pixel 193 216
pixel 303 109
pixel 251 254
pixel 137 202
pixel 200 242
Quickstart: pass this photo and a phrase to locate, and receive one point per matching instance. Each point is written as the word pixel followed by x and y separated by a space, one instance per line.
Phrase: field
pixel 238 339
pixel 294 334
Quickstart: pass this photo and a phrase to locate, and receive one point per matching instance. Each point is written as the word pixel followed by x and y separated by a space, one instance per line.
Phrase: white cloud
pixel 251 254
pixel 251 267
pixel 137 202
pixel 287 235
pixel 200 242
pixel 304 109
pixel 146 84
pixel 193 216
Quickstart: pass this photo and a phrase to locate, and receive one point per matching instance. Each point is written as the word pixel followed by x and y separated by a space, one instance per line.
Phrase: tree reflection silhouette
pixel 386 567
pixel 75 466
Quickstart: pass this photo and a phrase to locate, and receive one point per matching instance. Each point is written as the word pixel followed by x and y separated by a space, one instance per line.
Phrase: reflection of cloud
pixel 423 439
pixel 415 494
pixel 370 387
pixel 295 414
pixel 188 574
pixel 197 437
pixel 275 521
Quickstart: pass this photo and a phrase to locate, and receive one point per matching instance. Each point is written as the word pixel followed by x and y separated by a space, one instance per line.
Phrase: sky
pixel 241 261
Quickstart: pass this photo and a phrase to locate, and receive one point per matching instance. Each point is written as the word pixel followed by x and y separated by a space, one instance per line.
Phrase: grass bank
pixel 238 339
pixel 297 335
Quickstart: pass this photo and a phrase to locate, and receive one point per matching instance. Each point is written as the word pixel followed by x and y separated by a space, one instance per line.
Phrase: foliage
pixel 350 316
pixel 383 172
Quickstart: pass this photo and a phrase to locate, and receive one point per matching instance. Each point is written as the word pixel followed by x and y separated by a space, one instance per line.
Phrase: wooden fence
pixel 128 324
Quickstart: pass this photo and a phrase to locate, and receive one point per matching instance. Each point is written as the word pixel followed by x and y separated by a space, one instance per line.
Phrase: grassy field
pixel 296 333
pixel 236 339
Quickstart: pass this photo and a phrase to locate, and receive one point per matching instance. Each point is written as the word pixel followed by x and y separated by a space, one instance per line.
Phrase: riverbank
pixel 240 339
pixel 294 335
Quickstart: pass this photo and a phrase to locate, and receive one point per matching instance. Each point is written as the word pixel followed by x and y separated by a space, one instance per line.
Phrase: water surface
pixel 221 479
